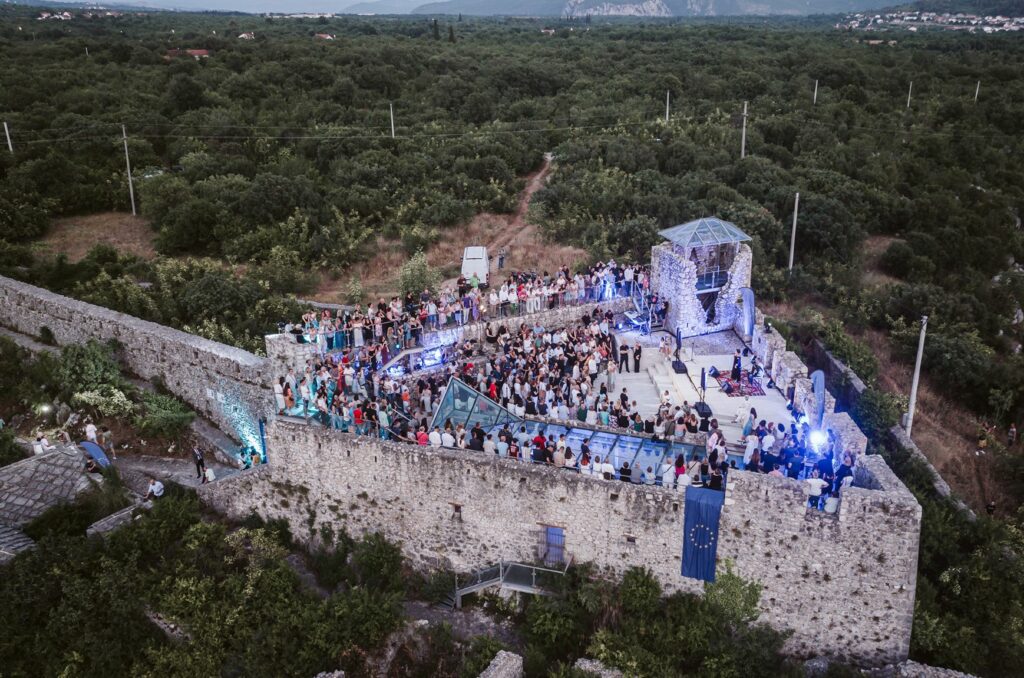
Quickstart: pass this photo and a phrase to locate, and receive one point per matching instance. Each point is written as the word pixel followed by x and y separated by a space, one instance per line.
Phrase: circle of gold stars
pixel 693 536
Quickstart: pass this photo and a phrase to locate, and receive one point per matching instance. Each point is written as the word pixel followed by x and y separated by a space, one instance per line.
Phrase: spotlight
pixel 45 408
pixel 818 438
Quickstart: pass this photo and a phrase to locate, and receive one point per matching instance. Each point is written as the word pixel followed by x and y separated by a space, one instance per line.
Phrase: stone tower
pixel 701 271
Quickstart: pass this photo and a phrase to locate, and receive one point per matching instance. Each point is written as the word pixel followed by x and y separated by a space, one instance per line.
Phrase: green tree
pixel 417 275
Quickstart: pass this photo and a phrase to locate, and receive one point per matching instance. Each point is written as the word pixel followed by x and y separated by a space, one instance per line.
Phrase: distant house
pixel 247 36
pixel 323 36
pixel 547 31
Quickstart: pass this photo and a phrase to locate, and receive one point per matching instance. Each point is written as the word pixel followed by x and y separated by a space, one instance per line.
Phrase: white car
pixel 475 260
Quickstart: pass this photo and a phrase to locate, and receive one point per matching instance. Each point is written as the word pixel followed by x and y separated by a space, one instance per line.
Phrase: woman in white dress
pixel 279 396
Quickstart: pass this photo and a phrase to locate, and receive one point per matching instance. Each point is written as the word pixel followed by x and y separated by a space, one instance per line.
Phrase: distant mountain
pixel 383 7
pixel 981 7
pixel 646 8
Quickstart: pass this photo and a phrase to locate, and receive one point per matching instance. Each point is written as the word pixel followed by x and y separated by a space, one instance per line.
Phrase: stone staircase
pixel 639 387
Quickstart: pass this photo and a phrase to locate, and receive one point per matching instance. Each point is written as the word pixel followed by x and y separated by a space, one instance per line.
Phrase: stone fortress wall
pixel 844 583
pixel 225 384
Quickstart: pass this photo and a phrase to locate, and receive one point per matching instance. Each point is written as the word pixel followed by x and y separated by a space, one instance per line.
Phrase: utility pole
pixel 392 107
pixel 7 133
pixel 815 103
pixel 792 236
pixel 917 376
pixel 743 137
pixel 976 91
pixel 128 167
pixel 909 92
pixel 667 94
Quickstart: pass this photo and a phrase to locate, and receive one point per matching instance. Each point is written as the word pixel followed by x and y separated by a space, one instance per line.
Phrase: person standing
pixel 200 462
pixel 1011 435
pixel 637 350
pixel 737 367
pixel 610 377
pixel 624 357
pixel 107 443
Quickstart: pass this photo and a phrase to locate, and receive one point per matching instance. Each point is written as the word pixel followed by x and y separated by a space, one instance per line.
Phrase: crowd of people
pixel 566 374
pixel 383 329
pixel 795 452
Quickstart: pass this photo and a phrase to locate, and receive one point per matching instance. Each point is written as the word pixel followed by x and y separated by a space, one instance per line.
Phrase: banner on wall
pixel 700 532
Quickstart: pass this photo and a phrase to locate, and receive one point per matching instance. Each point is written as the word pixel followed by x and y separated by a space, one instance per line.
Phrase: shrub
pixel 163 415
pixel 378 563
pixel 88 367
pixel 877 411
pixel 106 400
pixel 10 451
pixel 479 656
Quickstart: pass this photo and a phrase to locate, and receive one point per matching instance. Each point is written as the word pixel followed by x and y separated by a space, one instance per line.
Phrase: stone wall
pixel 844 582
pixel 225 384
pixel 674 277
pixel 504 665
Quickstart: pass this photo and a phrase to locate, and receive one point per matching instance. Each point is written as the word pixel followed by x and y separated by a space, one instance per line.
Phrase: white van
pixel 474 260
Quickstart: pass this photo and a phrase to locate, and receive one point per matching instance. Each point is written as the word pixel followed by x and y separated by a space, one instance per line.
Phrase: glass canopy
pixel 704 233
pixel 462 404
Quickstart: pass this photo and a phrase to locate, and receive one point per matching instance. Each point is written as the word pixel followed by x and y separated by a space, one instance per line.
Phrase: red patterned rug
pixel 748 388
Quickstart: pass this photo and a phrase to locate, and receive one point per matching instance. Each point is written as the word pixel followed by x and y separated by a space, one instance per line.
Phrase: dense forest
pixel 276 153
pixel 269 163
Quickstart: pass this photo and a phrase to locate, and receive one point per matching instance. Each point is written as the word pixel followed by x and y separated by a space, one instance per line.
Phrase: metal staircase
pixel 643 317
pixel 522 577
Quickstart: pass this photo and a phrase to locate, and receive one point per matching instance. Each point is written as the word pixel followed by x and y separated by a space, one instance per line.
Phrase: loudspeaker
pixel 727 387
pixel 679 366
pixel 746 351
pixel 702 410
pixel 713 371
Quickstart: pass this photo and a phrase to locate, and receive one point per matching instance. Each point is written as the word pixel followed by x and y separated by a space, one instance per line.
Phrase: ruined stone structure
pixel 843 583
pixel 700 272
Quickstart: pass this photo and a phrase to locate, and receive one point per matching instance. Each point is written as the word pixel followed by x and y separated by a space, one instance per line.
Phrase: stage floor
pixel 704 352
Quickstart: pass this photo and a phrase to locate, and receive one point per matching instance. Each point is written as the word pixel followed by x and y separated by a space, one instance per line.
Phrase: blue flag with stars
pixel 700 532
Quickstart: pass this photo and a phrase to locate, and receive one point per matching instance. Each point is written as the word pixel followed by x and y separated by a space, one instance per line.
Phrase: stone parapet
pixel 226 384
pixel 464 510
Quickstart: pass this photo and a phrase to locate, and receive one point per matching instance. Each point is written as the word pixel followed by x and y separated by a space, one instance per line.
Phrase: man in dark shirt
pixel 624 357
pixel 636 357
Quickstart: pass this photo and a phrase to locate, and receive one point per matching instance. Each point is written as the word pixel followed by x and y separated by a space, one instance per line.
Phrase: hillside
pixel 640 8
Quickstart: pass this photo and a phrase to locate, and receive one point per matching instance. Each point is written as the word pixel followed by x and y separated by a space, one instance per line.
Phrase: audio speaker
pixel 713 371
pixel 727 387
pixel 679 366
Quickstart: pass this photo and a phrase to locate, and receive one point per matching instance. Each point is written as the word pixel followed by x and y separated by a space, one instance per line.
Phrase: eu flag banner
pixel 700 532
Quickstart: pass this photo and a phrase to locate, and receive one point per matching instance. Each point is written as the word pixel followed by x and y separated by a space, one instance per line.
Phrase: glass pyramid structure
pixel 704 233
pixel 463 404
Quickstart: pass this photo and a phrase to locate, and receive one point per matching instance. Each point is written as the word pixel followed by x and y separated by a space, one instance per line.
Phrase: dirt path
pixel 527 249
pixel 75 236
